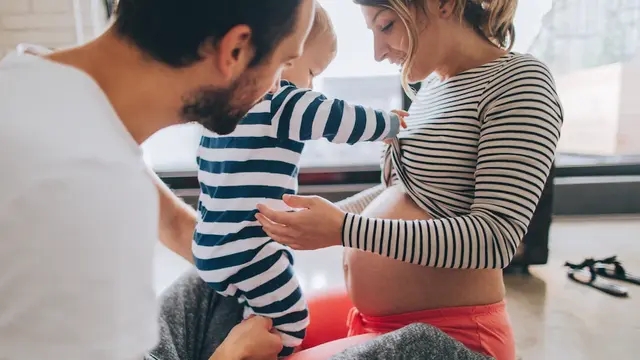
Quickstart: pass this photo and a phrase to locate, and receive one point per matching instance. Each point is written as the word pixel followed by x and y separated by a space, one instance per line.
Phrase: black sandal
pixel 589 277
pixel 612 269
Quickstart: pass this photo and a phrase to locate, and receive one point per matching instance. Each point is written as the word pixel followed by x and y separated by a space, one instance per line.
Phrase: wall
pixel 51 23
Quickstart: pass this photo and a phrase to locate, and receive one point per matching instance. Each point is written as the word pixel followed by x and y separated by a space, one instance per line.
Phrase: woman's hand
pixel 252 339
pixel 317 225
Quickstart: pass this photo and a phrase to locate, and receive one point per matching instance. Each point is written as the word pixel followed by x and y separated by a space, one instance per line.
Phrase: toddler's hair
pixel 322 25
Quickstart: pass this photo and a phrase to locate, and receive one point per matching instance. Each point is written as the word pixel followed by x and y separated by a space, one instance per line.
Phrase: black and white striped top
pixel 475 156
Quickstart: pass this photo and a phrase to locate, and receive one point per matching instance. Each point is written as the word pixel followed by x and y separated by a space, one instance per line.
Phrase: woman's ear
pixel 445 10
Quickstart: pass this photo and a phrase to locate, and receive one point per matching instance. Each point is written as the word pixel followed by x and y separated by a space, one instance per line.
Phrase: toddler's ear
pixel 275 87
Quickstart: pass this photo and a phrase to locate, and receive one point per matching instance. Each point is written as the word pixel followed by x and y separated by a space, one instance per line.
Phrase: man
pixel 78 212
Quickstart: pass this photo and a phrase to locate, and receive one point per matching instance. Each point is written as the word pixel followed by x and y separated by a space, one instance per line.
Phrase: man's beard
pixel 219 110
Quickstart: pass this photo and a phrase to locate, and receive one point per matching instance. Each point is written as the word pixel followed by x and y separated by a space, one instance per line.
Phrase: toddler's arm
pixel 303 114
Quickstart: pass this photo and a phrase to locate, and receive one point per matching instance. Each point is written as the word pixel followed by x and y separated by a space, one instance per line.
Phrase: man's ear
pixel 232 53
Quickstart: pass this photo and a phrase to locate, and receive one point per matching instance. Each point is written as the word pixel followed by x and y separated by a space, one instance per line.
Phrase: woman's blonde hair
pixel 492 19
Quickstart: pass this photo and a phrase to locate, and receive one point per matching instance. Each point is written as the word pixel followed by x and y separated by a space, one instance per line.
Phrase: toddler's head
pixel 319 51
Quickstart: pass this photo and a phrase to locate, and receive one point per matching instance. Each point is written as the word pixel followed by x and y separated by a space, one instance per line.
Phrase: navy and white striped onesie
pixel 258 163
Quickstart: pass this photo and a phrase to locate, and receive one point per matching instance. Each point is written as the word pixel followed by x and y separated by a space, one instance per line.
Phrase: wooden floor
pixel 553 317
pixel 556 318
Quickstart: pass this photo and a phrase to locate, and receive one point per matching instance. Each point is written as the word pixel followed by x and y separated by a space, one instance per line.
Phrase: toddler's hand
pixel 401 114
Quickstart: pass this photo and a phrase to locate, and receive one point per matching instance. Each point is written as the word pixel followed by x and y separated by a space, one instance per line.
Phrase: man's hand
pixel 252 339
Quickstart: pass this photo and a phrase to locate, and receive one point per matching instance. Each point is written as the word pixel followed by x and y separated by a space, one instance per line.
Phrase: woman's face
pixel 391 38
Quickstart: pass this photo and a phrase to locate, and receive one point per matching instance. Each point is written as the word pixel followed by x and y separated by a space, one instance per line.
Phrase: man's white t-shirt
pixel 78 220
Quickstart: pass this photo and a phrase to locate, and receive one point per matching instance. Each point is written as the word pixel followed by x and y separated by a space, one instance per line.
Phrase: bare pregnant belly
pixel 381 286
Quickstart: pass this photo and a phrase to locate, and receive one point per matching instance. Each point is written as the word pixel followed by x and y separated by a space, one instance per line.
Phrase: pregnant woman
pixel 460 184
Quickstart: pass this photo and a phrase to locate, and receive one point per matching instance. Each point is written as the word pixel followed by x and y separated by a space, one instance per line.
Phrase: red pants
pixel 336 325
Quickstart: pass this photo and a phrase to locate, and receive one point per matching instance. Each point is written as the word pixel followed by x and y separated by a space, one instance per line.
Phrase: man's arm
pixel 177 220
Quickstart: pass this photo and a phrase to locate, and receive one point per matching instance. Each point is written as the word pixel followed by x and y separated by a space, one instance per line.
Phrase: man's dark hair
pixel 172 31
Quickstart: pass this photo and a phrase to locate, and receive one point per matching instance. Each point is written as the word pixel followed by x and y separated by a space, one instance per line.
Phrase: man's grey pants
pixel 194 320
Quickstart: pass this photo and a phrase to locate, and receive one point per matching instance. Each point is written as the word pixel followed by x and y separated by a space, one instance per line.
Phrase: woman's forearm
pixel 475 241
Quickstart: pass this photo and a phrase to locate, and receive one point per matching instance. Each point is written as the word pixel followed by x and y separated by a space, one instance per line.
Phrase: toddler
pixel 258 163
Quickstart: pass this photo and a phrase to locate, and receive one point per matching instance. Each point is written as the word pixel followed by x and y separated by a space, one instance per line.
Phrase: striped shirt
pixel 258 163
pixel 475 156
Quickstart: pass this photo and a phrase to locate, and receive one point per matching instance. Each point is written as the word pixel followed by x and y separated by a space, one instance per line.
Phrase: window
pixel 353 76
pixel 591 46
pixel 110 5
pixel 356 77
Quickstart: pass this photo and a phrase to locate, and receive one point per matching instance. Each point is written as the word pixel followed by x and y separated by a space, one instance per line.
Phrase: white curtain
pixel 90 19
